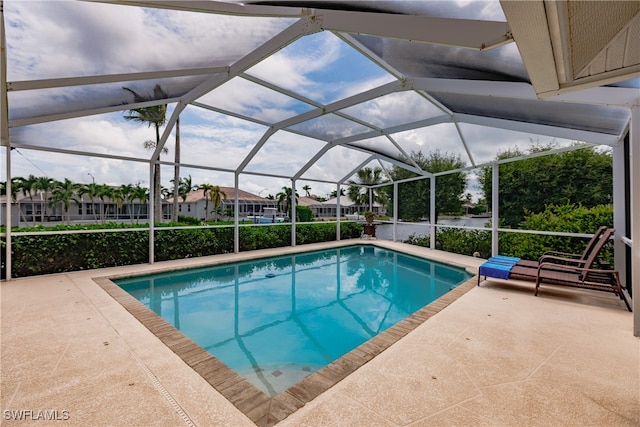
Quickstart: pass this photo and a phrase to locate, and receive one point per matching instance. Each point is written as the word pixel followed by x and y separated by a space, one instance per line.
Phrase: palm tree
pixel 165 192
pixel 92 190
pixel 44 184
pixel 284 200
pixel 334 193
pixel 28 187
pixel 16 183
pixel 366 176
pixel 64 192
pixel 217 196
pixel 155 115
pixel 306 188
pixel 185 187
pixel 141 194
pixel 125 192
pixel 104 191
pixel 206 191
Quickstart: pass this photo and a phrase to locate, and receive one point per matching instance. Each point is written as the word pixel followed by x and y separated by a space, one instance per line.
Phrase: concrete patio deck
pixel 496 356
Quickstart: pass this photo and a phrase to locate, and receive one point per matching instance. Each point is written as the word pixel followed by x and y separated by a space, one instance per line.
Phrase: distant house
pixel 329 208
pixel 27 211
pixel 196 204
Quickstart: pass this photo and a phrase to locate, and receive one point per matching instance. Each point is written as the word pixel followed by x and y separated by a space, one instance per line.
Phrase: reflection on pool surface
pixel 277 320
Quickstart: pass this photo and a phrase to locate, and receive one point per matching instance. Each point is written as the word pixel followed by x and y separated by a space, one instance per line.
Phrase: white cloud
pixel 94 39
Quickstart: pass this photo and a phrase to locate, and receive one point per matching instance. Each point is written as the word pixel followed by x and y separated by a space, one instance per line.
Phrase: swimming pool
pixel 277 320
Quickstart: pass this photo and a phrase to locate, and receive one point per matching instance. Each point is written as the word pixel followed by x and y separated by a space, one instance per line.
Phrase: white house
pixel 329 208
pixel 197 205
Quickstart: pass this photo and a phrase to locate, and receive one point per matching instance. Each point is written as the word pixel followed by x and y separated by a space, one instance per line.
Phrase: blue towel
pixel 504 259
pixel 499 270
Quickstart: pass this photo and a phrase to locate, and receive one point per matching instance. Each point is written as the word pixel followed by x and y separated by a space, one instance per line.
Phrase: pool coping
pixel 260 408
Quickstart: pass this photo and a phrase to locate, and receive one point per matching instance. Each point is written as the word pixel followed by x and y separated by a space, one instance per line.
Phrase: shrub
pixel 459 241
pixel 183 219
pixel 567 218
pixel 56 253
pixel 304 214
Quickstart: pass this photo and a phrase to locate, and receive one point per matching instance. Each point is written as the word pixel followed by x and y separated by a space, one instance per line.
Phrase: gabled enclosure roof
pixel 316 90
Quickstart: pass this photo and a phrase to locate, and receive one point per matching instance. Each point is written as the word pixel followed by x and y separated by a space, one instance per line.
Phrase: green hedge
pixel 566 218
pixel 57 253
pixel 459 241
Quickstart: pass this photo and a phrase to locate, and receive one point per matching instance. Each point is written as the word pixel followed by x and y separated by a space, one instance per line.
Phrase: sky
pixel 56 39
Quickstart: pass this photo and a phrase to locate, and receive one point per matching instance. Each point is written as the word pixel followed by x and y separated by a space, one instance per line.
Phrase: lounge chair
pixel 525 268
pixel 579 277
pixel 569 258
pixel 576 273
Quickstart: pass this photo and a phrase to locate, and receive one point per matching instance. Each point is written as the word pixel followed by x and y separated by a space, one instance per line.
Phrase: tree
pixel 185 187
pixel 217 196
pixel 414 196
pixel 16 183
pixel 92 190
pixel 28 187
pixel 44 184
pixel 104 191
pixel 366 176
pixel 306 189
pixel 206 191
pixel 334 193
pixel 142 195
pixel 214 194
pixel 284 200
pixel 582 176
pixel 64 193
pixel 155 115
pixel 125 192
pixel 165 192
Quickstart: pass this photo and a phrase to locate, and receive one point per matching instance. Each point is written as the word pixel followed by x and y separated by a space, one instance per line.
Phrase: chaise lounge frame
pixel 576 273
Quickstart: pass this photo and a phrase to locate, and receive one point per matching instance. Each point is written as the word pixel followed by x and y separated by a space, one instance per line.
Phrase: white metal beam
pixel 5 142
pixel 495 209
pixel 605 95
pixel 354 170
pixel 385 158
pixel 313 160
pixel 634 161
pixel 465 33
pixel 110 78
pixel 464 144
pixel 432 212
pixel 255 150
pixel 288 35
pixel 4 107
pixel 534 128
pixel 85 113
pixel 217 7
pixel 395 129
pixel 167 131
pixel 404 152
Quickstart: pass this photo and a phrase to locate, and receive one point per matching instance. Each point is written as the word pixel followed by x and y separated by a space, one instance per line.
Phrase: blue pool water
pixel 277 320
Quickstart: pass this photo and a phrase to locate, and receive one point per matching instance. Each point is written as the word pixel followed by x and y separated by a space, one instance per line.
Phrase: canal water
pixel 404 230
